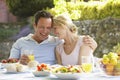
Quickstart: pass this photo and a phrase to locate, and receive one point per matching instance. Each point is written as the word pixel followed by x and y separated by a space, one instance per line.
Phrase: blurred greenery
pixel 9 29
pixel 91 10
pixel 26 8
pixel 105 31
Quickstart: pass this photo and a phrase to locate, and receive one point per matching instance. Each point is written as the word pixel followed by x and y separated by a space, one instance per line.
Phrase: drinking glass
pixel 30 54
pixel 87 64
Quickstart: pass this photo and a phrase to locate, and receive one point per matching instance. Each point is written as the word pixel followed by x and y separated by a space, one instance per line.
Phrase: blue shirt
pixel 44 52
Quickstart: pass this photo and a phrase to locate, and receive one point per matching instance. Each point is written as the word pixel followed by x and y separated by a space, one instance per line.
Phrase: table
pixel 96 75
pixel 30 76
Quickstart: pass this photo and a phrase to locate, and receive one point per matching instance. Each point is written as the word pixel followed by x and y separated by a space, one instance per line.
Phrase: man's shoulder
pixel 24 38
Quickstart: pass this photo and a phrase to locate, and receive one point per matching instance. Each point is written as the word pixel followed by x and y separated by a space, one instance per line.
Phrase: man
pixel 41 42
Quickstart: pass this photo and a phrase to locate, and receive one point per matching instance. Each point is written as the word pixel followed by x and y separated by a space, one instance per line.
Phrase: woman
pixel 73 48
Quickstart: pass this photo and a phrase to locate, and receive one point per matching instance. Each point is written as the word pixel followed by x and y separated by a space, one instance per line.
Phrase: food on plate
pixel 20 67
pixel 67 72
pixel 43 67
pixel 110 64
pixel 11 60
pixel 11 67
pixel 15 67
pixel 67 69
pixel 42 70
pixel 32 64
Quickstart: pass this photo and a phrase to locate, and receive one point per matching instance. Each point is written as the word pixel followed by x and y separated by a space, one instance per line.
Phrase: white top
pixel 72 58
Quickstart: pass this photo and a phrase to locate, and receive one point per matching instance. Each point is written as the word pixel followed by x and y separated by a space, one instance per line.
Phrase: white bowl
pixel 14 67
pixel 10 67
pixel 41 73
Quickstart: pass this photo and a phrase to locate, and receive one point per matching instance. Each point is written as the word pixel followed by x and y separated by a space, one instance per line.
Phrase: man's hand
pixel 90 42
pixel 24 59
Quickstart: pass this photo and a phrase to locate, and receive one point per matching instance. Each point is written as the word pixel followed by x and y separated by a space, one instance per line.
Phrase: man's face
pixel 43 28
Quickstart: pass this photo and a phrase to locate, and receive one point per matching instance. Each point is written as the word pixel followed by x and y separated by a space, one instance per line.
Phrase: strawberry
pixel 39 68
pixel 4 61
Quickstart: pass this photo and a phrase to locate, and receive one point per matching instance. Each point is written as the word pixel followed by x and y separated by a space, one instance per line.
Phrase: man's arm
pixel 15 51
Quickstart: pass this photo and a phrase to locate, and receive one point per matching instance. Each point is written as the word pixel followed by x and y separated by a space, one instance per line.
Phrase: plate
pixel 41 73
pixel 14 72
pixel 67 75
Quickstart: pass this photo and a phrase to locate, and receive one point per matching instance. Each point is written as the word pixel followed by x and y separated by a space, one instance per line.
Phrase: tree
pixel 26 8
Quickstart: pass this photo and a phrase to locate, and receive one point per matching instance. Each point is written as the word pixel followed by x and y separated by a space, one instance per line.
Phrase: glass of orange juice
pixel 87 64
pixel 30 54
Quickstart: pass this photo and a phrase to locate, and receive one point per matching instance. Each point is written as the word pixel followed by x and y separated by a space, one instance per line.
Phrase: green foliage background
pixel 26 8
pixel 91 10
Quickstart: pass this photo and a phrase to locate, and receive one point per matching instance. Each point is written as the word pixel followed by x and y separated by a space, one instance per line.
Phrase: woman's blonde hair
pixel 63 21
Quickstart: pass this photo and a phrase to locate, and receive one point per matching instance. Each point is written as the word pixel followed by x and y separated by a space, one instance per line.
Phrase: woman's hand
pixel 90 42
pixel 24 59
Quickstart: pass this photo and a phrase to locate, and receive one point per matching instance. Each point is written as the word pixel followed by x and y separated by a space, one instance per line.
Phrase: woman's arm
pixel 85 50
pixel 58 57
pixel 90 42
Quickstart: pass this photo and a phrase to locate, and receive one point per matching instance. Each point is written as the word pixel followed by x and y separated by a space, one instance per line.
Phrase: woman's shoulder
pixel 81 36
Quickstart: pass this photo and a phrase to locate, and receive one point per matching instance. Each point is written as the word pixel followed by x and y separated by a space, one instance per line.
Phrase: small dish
pixel 41 73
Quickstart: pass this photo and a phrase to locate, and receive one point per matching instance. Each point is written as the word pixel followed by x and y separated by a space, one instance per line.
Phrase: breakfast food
pixel 14 67
pixel 67 69
pixel 32 64
pixel 11 60
pixel 11 67
pixel 42 70
pixel 43 67
pixel 20 68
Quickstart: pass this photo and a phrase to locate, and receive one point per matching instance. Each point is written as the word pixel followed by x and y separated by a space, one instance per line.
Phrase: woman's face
pixel 59 31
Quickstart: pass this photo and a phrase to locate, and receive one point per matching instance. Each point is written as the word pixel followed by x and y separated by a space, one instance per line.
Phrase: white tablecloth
pixel 30 76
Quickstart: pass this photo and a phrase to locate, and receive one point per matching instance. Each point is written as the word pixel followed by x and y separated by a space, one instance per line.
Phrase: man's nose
pixel 45 30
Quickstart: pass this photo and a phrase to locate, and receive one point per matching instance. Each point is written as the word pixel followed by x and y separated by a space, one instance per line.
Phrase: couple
pixel 67 47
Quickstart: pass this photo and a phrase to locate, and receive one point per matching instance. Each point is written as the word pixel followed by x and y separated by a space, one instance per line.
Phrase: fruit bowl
pixel 42 70
pixel 110 64
pixel 110 70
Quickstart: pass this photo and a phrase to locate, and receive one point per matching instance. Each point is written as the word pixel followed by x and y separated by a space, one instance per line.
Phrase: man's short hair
pixel 42 14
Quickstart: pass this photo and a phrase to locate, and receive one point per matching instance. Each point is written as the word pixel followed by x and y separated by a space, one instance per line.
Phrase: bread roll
pixel 11 67
pixel 20 68
pixel 32 64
